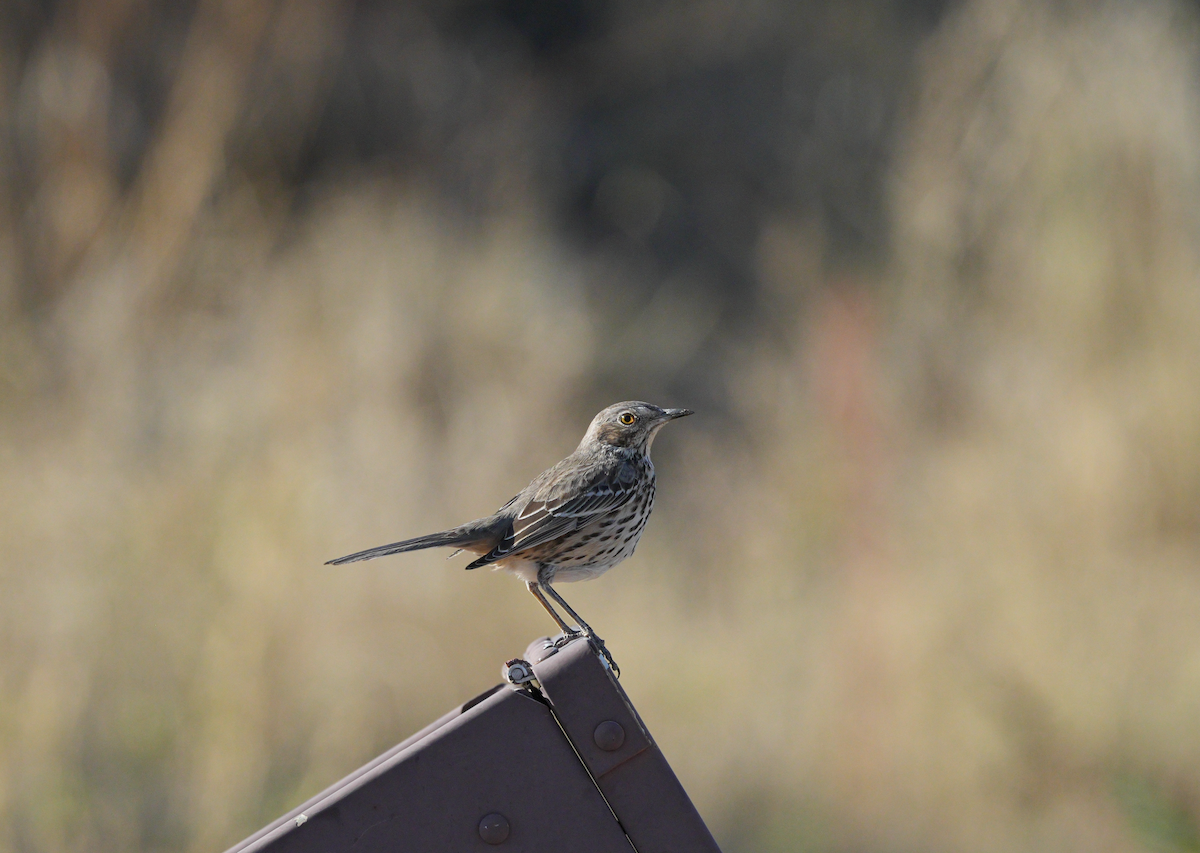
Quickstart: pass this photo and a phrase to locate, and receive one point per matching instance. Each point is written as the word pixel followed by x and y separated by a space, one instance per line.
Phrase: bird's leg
pixel 568 633
pixel 587 629
pixel 592 636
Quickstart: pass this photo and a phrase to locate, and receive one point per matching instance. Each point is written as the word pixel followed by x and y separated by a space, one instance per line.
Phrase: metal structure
pixel 557 759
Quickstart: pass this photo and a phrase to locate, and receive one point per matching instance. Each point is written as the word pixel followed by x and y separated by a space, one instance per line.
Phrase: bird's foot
pixel 598 646
pixel 564 638
pixel 594 641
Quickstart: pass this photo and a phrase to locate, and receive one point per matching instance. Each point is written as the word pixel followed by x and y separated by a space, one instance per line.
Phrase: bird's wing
pixel 564 503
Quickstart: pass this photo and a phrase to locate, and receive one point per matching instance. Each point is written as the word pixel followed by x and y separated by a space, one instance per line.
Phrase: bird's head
pixel 630 424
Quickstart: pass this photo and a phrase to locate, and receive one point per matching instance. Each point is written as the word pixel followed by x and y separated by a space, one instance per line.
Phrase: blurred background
pixel 284 280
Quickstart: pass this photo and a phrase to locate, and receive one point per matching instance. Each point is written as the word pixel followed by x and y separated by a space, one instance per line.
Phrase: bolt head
pixel 609 736
pixel 517 672
pixel 494 828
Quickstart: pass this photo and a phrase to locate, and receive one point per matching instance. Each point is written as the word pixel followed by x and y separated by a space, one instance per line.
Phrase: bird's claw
pixel 594 641
pixel 598 646
pixel 564 638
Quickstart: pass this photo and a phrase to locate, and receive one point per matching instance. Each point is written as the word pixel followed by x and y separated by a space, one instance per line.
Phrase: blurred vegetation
pixel 279 281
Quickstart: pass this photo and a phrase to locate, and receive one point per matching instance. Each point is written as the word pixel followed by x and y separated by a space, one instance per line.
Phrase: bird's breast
pixel 595 547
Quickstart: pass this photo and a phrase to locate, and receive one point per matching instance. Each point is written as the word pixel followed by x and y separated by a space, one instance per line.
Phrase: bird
pixel 573 522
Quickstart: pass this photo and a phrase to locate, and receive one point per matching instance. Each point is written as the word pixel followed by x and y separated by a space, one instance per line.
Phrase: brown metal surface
pixel 505 756
pixel 498 774
pixel 635 779
pixel 247 844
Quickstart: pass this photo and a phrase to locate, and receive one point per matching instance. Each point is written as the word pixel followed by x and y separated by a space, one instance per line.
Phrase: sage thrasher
pixel 574 522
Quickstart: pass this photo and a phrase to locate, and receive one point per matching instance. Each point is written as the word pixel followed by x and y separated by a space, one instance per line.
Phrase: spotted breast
pixel 605 541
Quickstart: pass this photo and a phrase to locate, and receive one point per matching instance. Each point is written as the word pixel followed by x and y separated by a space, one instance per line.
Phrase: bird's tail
pixel 471 537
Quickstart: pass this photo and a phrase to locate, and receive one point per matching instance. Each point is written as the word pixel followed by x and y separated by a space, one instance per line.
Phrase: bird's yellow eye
pixel 627 418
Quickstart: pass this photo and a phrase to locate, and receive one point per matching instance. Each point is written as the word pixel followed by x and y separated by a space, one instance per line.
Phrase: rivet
pixel 609 736
pixel 494 828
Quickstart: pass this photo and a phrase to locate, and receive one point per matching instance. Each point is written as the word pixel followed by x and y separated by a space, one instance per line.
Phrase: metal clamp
pixel 518 673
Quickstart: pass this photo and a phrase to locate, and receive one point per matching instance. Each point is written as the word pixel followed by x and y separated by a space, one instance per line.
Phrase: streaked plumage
pixel 576 520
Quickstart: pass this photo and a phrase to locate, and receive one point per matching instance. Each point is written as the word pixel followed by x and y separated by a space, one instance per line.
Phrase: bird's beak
pixel 672 414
